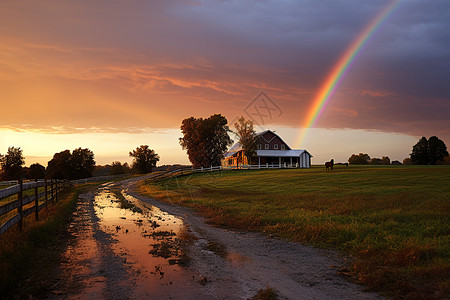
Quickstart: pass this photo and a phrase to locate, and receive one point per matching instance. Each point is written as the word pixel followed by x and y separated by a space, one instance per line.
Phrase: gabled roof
pixel 238 147
pixel 261 134
pixel 234 149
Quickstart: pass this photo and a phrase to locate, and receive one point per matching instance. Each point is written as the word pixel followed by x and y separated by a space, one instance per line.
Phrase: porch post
pixel 279 162
pixel 291 162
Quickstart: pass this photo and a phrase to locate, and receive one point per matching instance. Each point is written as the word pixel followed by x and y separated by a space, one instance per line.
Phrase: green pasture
pixel 393 220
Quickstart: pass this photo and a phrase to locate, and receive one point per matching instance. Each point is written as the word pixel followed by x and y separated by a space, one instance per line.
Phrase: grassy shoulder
pixel 27 258
pixel 393 219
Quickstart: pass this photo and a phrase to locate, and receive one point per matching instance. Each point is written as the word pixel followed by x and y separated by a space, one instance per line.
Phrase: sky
pixel 113 75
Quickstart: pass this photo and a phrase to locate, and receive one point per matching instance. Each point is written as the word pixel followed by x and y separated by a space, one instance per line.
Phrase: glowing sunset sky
pixel 113 75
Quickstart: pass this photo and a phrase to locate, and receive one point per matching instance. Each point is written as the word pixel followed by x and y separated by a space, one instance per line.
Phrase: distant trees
pixel 36 171
pixel 375 161
pixel 364 159
pixel 428 152
pixel 11 164
pixel 205 140
pixel 407 161
pixel 117 168
pixel 145 159
pixel 360 159
pixel 247 137
pixel 76 165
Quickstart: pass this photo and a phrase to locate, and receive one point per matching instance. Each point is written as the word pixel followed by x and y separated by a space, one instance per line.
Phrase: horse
pixel 329 164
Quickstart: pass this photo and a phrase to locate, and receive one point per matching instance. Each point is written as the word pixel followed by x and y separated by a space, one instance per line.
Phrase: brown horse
pixel 329 164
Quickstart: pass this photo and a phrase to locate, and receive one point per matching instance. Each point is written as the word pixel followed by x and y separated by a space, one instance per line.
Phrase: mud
pixel 162 251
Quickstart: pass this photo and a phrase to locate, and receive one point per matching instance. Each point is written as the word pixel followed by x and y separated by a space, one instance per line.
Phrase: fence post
pixel 51 191
pixel 56 190
pixel 20 199
pixel 45 191
pixel 36 203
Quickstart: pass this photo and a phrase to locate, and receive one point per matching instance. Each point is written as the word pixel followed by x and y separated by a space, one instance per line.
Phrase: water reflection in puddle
pixel 148 240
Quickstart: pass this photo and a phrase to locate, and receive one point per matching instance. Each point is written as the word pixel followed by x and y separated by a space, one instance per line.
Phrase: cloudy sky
pixel 111 75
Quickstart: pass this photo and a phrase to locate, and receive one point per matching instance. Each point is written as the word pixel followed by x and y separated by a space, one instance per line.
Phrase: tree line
pixel 76 164
pixel 430 151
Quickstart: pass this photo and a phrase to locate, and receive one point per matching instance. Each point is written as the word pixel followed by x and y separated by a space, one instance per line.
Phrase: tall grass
pixel 393 219
pixel 32 252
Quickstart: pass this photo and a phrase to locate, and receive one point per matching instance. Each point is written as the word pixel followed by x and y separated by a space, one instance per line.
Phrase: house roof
pixel 280 153
pixel 267 153
pixel 238 147
pixel 261 134
pixel 235 148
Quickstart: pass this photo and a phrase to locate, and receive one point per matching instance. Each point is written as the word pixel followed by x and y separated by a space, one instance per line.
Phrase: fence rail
pixel 186 171
pixel 52 190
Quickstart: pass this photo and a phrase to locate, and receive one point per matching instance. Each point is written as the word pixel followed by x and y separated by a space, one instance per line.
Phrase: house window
pixel 275 146
pixel 266 146
pixel 259 146
pixel 283 147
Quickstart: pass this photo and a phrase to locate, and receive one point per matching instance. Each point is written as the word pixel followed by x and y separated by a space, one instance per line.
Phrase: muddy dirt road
pixel 127 246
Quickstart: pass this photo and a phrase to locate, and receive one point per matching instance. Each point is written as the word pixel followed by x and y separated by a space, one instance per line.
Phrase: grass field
pixel 27 258
pixel 392 220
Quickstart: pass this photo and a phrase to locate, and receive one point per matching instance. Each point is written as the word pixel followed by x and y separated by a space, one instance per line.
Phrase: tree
pixel 36 171
pixel 145 159
pixel 76 165
pixel 205 140
pixel 437 150
pixel 360 159
pixel 117 168
pixel 59 166
pixel 82 163
pixel 247 137
pixel 376 161
pixel 126 168
pixel 419 153
pixel 407 161
pixel 428 152
pixel 11 164
pixel 385 160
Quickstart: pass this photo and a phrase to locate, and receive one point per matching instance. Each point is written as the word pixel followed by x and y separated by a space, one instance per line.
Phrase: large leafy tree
pixel 437 150
pixel 11 163
pixel 145 159
pixel 247 137
pixel 82 163
pixel 205 140
pixel 419 154
pixel 428 152
pixel 59 166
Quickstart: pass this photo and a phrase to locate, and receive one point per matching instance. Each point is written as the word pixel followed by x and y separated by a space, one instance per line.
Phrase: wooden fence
pixel 186 171
pixel 50 194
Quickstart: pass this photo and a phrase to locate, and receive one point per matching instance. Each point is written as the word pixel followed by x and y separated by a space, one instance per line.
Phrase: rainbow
pixel 341 68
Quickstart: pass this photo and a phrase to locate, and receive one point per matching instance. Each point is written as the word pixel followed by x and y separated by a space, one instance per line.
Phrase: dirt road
pixel 154 250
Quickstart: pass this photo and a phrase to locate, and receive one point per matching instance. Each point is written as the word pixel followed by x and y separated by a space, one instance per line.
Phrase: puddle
pixel 148 239
pixel 122 248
